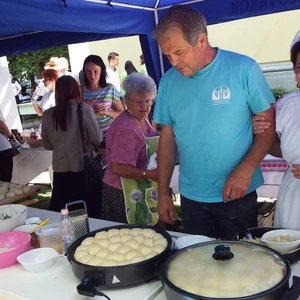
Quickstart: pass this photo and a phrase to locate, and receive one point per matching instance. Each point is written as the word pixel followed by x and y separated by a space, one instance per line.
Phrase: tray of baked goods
pixel 11 192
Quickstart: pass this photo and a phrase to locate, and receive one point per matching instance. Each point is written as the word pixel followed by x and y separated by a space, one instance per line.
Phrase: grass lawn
pixel 43 196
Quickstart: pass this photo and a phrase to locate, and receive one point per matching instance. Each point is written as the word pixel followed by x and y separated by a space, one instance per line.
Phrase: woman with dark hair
pixel 286 145
pixel 129 68
pixel 61 133
pixel 101 96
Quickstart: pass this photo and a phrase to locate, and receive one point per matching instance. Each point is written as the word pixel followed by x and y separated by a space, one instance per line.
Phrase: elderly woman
pixel 61 133
pixel 287 146
pixel 129 189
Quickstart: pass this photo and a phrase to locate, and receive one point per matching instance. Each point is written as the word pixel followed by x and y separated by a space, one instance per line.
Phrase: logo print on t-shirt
pixel 221 94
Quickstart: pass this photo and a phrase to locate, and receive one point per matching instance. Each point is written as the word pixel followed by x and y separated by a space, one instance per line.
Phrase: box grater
pixel 79 217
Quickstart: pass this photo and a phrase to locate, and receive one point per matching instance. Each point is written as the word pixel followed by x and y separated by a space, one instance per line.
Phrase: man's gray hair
pixel 141 84
pixel 191 22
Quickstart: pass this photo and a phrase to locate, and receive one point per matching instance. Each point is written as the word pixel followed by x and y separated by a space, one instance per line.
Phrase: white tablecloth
pixel 30 163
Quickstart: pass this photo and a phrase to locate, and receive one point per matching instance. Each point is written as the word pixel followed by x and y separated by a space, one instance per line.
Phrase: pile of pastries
pixel 117 247
pixel 10 190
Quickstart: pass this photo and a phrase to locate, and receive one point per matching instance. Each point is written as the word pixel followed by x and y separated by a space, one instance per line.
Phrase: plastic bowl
pixel 38 260
pixel 16 214
pixel 282 247
pixel 25 228
pixel 18 242
pixel 188 240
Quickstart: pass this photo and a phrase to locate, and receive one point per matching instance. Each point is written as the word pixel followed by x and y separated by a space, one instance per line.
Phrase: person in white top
pixel 111 70
pixel 287 146
pixel 50 77
pixel 16 88
pixel 6 158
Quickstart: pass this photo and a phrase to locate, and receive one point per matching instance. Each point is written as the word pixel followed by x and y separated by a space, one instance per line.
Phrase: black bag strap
pixel 79 113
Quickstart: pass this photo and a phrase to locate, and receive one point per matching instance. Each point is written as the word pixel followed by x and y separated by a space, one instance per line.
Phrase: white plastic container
pixel 38 260
pixel 50 236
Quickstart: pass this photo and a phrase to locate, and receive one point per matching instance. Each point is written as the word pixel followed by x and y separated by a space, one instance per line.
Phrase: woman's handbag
pixel 15 145
pixel 93 166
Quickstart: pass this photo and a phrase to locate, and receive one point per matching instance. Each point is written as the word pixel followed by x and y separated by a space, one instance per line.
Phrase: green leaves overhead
pixel 27 65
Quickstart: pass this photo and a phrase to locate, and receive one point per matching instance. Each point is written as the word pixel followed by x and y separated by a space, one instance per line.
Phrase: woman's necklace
pixel 141 123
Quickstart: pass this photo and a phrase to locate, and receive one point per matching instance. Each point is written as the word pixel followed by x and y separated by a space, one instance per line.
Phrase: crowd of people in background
pixel 218 189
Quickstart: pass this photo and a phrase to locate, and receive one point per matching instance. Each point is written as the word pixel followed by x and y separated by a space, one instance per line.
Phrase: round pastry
pixel 19 192
pixel 11 185
pixel 123 246
pixel 10 194
pixel 26 189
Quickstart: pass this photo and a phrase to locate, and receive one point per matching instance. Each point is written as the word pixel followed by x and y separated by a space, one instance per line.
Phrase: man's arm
pixel 259 125
pixel 238 181
pixel 4 129
pixel 167 151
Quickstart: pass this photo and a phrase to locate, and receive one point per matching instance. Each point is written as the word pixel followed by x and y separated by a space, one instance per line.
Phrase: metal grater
pixel 80 218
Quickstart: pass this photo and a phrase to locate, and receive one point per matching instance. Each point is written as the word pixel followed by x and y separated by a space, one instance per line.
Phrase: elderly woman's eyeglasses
pixel 141 102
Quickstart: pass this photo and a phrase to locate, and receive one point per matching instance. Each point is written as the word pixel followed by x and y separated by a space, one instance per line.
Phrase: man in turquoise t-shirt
pixel 205 103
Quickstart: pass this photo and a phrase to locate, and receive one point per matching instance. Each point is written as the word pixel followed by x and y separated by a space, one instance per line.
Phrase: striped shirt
pixel 106 96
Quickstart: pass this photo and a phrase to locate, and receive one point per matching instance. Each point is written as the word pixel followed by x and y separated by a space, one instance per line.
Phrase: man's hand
pixel 165 209
pixel 236 185
pixel 296 171
pixel 259 125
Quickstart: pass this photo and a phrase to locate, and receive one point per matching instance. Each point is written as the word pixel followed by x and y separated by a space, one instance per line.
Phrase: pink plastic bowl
pixel 18 242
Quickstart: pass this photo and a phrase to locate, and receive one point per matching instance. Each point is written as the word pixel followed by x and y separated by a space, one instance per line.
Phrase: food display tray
pixel 18 197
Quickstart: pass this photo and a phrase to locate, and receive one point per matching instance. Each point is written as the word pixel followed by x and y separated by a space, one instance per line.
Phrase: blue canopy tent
pixel 30 25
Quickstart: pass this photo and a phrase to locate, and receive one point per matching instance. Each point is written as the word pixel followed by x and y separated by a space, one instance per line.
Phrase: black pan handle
pixel 294 291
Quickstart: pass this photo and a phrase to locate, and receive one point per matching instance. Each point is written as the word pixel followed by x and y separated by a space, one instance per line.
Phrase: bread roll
pixel 94 249
pixel 101 234
pixel 88 241
pixel 126 237
pixel 112 232
pixel 10 194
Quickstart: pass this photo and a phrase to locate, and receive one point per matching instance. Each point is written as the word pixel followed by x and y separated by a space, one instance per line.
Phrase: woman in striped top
pixel 100 95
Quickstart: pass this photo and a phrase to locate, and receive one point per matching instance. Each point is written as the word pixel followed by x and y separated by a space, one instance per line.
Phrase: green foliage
pixel 278 92
pixel 27 65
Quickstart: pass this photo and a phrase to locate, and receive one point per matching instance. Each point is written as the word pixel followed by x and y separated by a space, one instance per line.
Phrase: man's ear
pixel 202 40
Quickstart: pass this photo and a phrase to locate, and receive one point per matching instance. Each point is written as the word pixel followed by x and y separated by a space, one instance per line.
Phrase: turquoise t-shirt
pixel 211 117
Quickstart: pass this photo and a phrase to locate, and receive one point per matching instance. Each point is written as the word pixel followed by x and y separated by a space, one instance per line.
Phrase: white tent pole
pixel 120 4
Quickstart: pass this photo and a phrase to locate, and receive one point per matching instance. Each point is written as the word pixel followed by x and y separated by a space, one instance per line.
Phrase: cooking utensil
pixel 243 228
pixel 116 276
pixel 236 271
pixel 41 224
pixel 79 217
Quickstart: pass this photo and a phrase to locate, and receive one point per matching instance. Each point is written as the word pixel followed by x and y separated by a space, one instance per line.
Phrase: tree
pixel 28 65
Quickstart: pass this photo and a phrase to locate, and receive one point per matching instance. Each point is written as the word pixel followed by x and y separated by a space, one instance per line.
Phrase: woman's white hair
pixel 141 84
